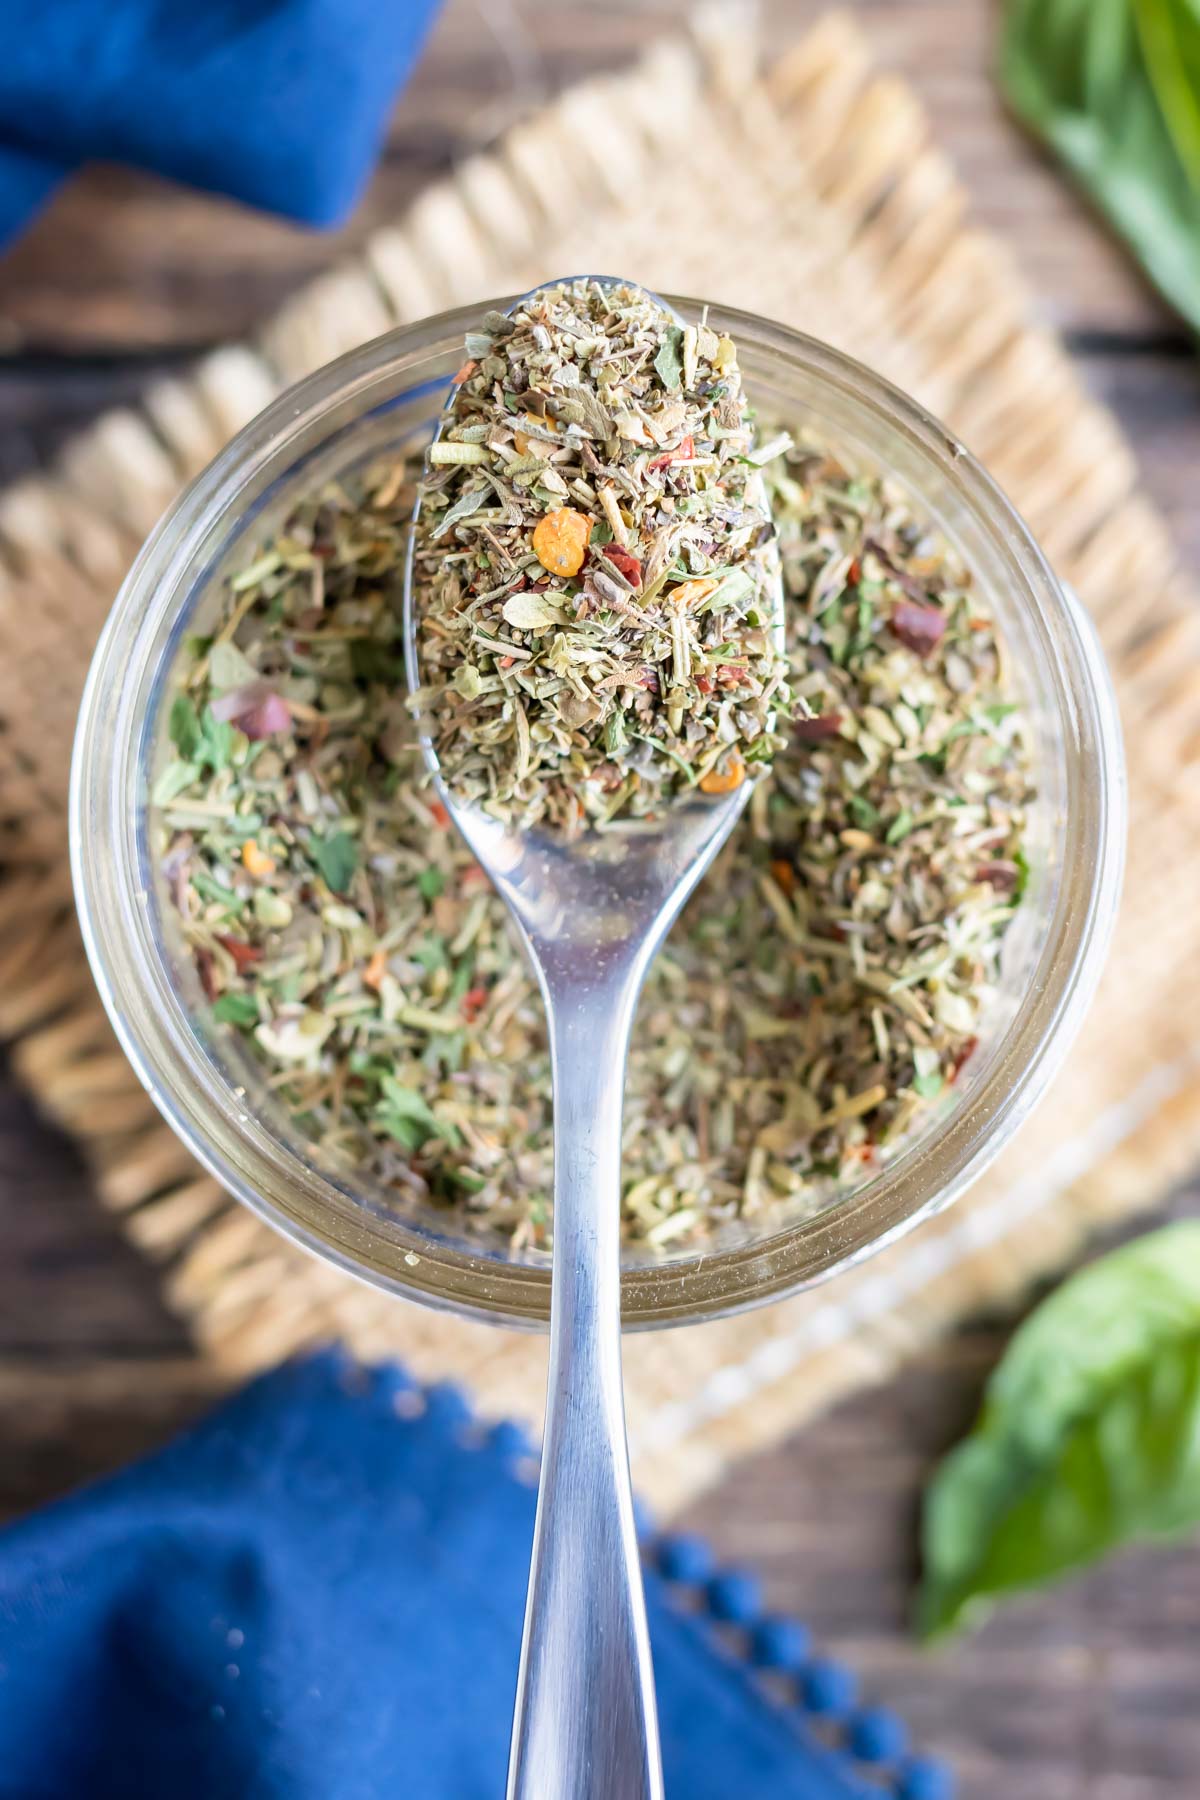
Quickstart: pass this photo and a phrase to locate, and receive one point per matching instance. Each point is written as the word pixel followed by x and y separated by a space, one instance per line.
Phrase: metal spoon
pixel 591 915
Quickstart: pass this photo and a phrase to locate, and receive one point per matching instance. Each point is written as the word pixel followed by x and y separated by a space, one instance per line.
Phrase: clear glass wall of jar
pixel 385 395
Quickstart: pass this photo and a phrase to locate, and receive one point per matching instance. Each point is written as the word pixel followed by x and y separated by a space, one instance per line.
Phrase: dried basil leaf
pixel 336 856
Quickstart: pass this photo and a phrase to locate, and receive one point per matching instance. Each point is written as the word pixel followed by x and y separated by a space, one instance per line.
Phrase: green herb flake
pixel 336 857
pixel 236 1009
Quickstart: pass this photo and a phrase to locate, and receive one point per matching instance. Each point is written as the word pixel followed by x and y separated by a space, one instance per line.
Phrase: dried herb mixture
pixel 820 994
pixel 595 571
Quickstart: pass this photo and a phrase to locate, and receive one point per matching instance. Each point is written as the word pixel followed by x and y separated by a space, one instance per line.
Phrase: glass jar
pixel 379 398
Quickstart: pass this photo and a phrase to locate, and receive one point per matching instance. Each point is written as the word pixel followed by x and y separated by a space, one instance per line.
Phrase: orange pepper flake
pixel 375 971
pixel 522 442
pixel 256 862
pixel 723 781
pixel 440 815
pixel 466 372
pixel 473 1003
pixel 691 593
pixel 560 540
pixel 785 876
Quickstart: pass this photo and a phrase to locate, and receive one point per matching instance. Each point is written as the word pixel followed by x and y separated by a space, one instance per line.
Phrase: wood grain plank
pixel 124 260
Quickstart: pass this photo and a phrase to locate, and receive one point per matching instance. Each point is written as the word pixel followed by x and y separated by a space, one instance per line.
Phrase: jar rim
pixel 192 1093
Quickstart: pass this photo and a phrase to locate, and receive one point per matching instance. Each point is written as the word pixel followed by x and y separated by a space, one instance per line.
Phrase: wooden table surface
pixel 1086 1692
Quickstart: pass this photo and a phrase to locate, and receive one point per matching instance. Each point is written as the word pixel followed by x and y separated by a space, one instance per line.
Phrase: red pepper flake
pixel 473 1003
pixel 629 564
pixel 684 454
pixel 816 730
pixel 466 372
pixel 963 1054
pixel 506 662
pixel 204 968
pixel 731 674
pixel 440 815
pixel 918 626
pixel 785 876
pixel 854 573
pixel 473 880
pixel 244 955
pixel 649 680
pixel 704 684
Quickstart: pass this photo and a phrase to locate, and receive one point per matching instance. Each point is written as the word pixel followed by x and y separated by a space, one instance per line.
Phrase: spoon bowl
pixel 591 912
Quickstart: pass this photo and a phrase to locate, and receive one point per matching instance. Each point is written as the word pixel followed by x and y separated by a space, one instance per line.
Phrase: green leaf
pixel 408 1117
pixel 862 812
pixel 176 776
pixel 229 668
pixel 900 827
pixel 336 856
pixel 1169 33
pixel 1114 87
pixel 183 725
pixel 209 888
pixel 532 612
pixel 431 882
pixel 669 361
pixel 236 1009
pixel 1089 1435
pixel 217 738
pixel 372 661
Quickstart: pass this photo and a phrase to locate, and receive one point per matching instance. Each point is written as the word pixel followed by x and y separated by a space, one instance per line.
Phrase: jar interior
pixel 347 438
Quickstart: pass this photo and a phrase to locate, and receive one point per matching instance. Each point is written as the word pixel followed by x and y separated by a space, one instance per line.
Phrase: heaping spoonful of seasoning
pixel 593 636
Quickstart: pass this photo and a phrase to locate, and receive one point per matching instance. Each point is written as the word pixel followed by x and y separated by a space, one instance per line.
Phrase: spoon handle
pixel 585 1726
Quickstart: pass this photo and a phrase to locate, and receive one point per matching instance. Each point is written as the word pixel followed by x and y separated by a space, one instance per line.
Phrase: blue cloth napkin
pixel 280 103
pixel 317 1595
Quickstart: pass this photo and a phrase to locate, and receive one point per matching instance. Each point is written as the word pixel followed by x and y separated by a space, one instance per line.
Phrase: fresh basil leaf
pixel 1114 87
pixel 1169 32
pixel 1089 1435
pixel 337 858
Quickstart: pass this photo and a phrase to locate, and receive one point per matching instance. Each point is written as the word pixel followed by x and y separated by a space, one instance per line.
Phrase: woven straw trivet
pixel 810 193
